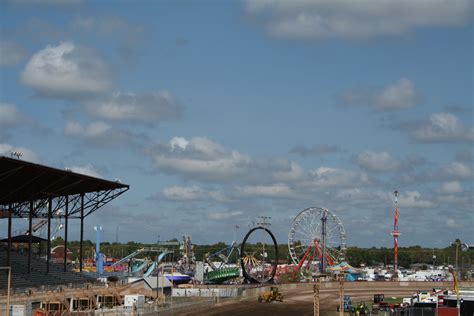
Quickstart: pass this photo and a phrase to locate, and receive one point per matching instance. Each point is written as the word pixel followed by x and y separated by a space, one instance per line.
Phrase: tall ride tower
pixel 395 234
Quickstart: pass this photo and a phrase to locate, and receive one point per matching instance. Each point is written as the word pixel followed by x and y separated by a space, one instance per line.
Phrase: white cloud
pixel 223 215
pixel 279 190
pixel 316 150
pixel 451 223
pixel 412 199
pixel 148 108
pixel 10 116
pixel 87 169
pixel 442 127
pixel 458 170
pixel 11 53
pixel 99 133
pixel 325 177
pixel 191 193
pixel 377 161
pixel 451 187
pixel 396 96
pixel 66 71
pixel 202 159
pixel 288 171
pixel 93 130
pixel 28 155
pixel 364 19
pixel 177 193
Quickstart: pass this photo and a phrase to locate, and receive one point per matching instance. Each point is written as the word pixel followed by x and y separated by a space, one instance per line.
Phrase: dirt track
pixel 299 301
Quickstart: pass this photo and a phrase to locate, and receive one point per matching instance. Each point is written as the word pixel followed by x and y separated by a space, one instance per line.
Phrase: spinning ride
pixel 259 255
pixel 316 235
pixel 218 261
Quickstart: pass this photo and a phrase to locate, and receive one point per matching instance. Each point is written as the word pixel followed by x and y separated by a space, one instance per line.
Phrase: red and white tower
pixel 395 234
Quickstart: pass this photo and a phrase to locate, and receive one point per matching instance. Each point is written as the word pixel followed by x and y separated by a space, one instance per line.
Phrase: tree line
pixel 356 256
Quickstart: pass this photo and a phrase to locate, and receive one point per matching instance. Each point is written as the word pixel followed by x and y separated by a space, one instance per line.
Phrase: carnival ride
pixel 40 226
pixel 259 255
pixel 316 239
pixel 218 262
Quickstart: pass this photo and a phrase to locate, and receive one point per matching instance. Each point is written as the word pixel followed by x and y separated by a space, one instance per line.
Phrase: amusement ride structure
pixel 395 233
pixel 218 262
pixel 259 255
pixel 316 235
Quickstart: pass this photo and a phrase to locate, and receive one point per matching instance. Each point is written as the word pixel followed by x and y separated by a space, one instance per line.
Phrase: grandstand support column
pixel 9 233
pixel 66 215
pixel 30 235
pixel 82 232
pixel 48 255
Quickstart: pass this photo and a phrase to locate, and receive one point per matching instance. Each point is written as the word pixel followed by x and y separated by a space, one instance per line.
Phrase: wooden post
pixel 341 294
pixel 316 297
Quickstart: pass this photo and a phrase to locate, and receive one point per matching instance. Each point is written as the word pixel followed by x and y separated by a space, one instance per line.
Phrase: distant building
pixel 57 254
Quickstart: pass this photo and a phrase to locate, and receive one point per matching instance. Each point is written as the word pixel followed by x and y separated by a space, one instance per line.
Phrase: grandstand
pixel 29 190
pixel 38 277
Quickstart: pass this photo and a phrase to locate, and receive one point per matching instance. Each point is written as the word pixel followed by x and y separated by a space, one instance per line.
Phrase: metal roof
pixel 22 182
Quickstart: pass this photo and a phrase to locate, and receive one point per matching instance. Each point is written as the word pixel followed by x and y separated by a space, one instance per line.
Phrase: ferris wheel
pixel 317 239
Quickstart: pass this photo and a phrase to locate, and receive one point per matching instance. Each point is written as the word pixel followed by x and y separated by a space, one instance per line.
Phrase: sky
pixel 217 112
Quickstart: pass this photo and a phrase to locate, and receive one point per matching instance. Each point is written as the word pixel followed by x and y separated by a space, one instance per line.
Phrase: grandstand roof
pixel 25 239
pixel 23 181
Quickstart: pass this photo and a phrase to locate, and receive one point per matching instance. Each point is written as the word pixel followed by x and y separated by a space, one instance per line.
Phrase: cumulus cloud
pixel 11 53
pixel 316 150
pixel 400 95
pixel 458 170
pixel 223 215
pixel 177 193
pixel 454 171
pixel 99 133
pixel 190 193
pixel 347 19
pixel 412 199
pixel 278 190
pixel 67 71
pixel 442 127
pixel 202 159
pixel 377 161
pixel 28 155
pixel 87 169
pixel 451 187
pixel 148 108
pixel 326 177
pixel 10 116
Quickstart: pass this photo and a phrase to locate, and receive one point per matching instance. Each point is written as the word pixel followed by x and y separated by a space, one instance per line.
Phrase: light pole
pixel 8 287
pixel 99 262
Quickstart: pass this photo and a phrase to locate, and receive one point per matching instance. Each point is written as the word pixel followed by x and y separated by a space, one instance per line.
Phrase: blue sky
pixel 217 112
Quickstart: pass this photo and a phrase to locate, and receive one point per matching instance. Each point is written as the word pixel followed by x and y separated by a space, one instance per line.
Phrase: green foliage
pixel 354 255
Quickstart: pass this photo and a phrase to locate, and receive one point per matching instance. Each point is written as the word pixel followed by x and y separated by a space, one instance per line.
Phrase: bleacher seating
pixel 37 277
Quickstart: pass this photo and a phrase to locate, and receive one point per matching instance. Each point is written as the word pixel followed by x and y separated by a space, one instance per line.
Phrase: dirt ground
pixel 298 302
